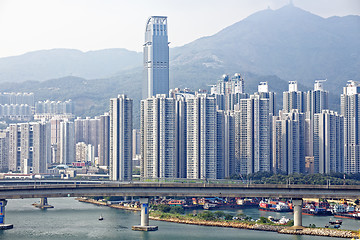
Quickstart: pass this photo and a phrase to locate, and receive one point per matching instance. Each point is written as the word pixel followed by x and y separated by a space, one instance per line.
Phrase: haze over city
pixel 94 24
pixel 175 110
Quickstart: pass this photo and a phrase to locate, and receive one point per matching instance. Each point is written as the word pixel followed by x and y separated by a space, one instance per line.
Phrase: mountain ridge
pixel 280 45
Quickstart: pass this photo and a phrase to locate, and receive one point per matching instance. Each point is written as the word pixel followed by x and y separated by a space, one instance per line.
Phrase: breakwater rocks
pixel 92 201
pixel 88 200
pixel 325 232
pixel 231 224
pixel 261 227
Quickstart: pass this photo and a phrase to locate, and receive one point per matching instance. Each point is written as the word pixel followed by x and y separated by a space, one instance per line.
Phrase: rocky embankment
pixel 88 200
pixel 325 232
pixel 232 224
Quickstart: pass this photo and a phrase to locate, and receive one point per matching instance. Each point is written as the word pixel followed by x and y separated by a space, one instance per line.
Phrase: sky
pixel 29 25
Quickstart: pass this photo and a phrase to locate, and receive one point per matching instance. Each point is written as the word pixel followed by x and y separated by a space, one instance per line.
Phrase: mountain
pixel 270 45
pixel 56 63
pixel 289 42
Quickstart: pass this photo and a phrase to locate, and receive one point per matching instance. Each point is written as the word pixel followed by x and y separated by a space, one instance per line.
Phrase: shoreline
pixel 323 232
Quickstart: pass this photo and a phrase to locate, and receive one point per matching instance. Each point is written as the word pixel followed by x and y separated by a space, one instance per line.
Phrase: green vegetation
pixel 168 209
pixel 177 210
pixel 298 178
pixel 165 212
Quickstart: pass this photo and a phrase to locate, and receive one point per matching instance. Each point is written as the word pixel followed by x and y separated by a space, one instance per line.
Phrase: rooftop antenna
pixel 291 3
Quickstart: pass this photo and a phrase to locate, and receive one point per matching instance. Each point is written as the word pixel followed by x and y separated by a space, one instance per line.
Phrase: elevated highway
pixel 52 189
pixel 79 189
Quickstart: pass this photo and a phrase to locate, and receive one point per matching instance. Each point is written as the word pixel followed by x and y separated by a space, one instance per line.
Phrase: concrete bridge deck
pixel 78 189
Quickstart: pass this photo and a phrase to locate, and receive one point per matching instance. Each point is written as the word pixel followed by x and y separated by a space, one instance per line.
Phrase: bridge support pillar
pixel 144 222
pixel 297 206
pixel 3 226
pixel 43 204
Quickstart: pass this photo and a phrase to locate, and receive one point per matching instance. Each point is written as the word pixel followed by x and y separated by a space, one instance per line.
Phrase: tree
pixel 207 215
pixel 228 216
pixel 219 214
pixel 177 209
pixel 163 208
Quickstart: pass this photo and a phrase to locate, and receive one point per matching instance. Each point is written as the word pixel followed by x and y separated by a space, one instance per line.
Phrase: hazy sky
pixel 28 25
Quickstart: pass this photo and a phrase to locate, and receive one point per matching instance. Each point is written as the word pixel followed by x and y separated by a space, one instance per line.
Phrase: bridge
pixel 51 189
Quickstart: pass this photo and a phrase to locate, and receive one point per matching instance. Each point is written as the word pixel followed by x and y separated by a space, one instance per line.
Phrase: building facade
pixel 328 142
pixel 289 142
pixel 201 143
pixel 121 138
pixel 29 147
pixel 156 57
pixel 350 109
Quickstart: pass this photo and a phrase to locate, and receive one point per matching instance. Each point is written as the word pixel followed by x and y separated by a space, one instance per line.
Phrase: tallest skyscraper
pixel 156 57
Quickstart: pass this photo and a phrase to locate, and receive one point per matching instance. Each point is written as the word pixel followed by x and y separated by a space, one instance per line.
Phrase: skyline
pixel 94 25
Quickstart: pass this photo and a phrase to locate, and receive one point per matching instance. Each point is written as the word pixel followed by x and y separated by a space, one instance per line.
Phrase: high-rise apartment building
pixel 158 137
pixel 17 98
pixel 350 109
pixel 29 147
pixel 294 99
pixel 288 142
pixel 156 57
pixel 253 134
pixel 88 131
pixel 228 91
pixel 181 125
pixel 316 101
pixel 201 133
pixel 328 142
pixel 66 146
pixel 136 143
pixel 263 92
pixel 104 140
pixel 121 138
pixel 226 144
pixel 20 112
pixel 4 150
pixel 54 107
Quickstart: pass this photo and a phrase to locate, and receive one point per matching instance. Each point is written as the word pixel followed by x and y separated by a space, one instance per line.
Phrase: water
pixel 71 219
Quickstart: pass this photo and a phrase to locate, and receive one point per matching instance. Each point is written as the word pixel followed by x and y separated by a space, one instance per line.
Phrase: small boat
pixel 101 218
pixel 335 222
pixel 333 226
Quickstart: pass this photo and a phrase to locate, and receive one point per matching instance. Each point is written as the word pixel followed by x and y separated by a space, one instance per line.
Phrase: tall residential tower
pixel 121 138
pixel 350 109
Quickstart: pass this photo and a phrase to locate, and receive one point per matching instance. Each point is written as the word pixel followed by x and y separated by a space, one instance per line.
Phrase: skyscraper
pixel 328 142
pixel 67 142
pixel 158 137
pixel 156 57
pixel 294 99
pixel 121 138
pixel 253 134
pixel 201 137
pixel 29 147
pixel 288 142
pixel 316 101
pixel 350 109
pixel 228 91
pixel 104 140
pixel 4 150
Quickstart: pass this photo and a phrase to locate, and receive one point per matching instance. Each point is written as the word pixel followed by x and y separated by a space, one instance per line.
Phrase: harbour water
pixel 72 220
